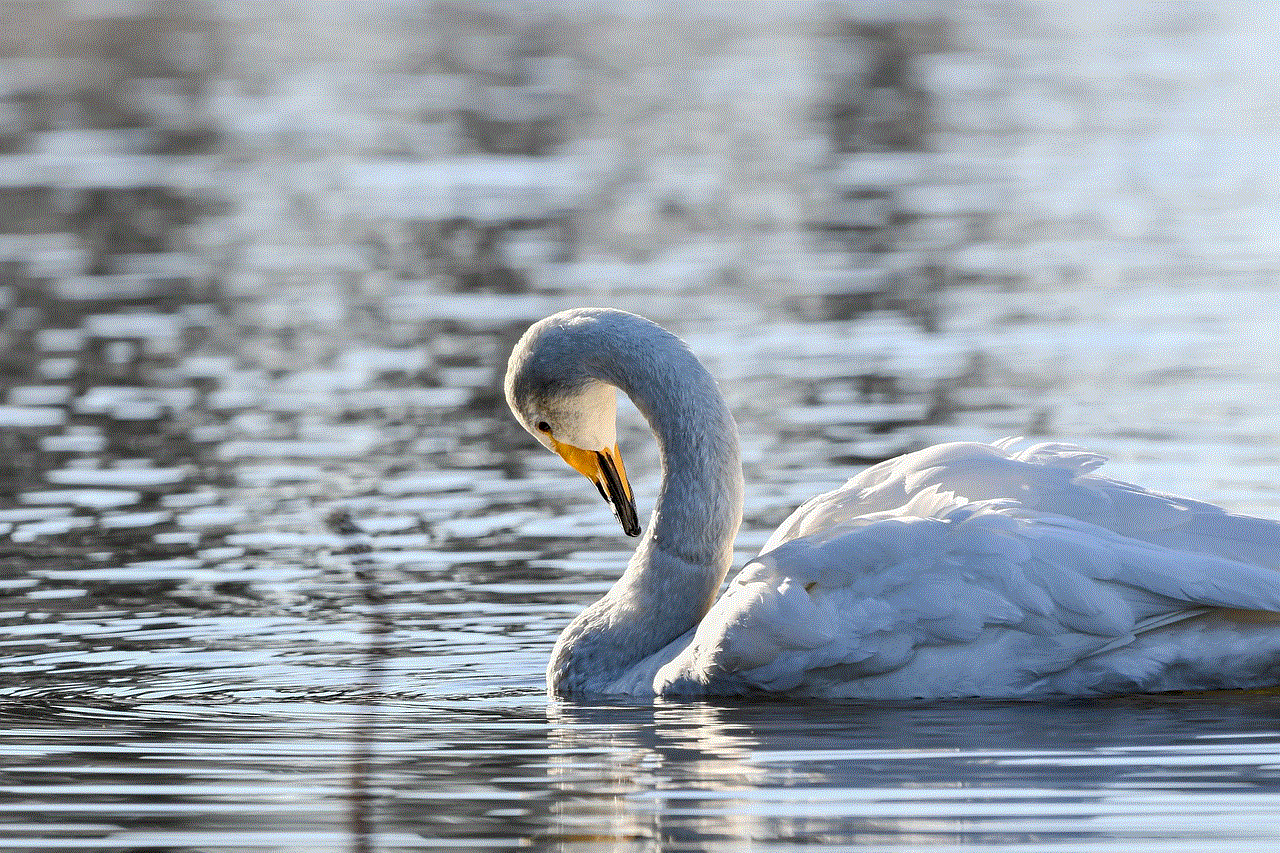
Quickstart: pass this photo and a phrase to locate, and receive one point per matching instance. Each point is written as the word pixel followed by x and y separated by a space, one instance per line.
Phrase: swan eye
pixel 543 426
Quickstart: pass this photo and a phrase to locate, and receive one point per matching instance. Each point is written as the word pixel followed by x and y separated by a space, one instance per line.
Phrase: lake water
pixel 279 572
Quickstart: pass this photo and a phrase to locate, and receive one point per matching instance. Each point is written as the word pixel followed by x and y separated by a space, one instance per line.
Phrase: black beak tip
pixel 625 511
pixel 614 490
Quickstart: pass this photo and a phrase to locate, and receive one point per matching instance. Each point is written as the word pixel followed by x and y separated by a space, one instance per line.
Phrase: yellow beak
pixel 605 469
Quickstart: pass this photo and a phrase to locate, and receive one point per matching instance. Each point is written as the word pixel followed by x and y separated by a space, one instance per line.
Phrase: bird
pixel 963 570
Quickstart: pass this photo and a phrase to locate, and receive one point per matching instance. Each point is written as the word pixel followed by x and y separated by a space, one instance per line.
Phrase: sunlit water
pixel 279 572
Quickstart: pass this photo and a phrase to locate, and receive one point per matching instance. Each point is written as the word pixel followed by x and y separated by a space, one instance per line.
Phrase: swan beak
pixel 605 469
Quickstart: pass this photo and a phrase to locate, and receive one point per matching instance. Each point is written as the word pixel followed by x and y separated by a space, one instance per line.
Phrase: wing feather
pixel 1050 478
pixel 874 593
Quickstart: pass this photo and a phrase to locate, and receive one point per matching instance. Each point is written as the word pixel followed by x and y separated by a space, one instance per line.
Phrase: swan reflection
pixel 711 775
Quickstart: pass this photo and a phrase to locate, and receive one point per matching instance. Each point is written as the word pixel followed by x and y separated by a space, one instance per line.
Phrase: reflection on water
pixel 278 571
pixel 1068 776
pixel 1166 774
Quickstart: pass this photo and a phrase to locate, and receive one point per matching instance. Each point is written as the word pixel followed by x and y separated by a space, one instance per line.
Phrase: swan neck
pixel 699 504
pixel 687 548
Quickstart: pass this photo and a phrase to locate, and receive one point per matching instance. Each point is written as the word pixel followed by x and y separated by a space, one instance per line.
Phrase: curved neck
pixel 687 547
pixel 699 505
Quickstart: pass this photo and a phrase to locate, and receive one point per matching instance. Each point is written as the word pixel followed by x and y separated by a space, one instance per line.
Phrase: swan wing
pixel 966 469
pixel 1049 478
pixel 947 596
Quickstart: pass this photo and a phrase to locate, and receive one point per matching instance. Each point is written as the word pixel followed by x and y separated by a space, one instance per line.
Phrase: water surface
pixel 279 572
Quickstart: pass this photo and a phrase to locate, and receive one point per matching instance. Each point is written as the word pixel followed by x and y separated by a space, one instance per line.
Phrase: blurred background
pixel 997 217
pixel 261 265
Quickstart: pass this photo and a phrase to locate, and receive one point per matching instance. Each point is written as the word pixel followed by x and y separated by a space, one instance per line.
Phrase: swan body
pixel 960 570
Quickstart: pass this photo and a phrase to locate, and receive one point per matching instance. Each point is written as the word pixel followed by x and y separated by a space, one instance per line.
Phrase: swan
pixel 961 570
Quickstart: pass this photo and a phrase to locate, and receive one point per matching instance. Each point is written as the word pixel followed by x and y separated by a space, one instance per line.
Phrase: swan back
pixel 1049 478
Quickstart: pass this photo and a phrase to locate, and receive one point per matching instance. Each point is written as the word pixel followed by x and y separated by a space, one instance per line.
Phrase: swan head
pixel 571 413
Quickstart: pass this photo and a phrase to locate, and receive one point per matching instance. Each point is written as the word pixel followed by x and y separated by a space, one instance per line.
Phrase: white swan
pixel 962 570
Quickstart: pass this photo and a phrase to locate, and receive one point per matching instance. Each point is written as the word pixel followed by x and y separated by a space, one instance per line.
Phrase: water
pixel 506 772
pixel 279 572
